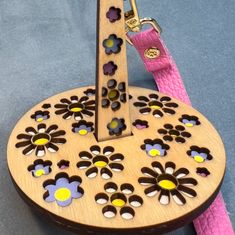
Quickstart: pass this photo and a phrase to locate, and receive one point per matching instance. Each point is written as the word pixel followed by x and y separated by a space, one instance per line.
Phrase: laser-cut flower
pixel 82 127
pixel 121 199
pixel 75 107
pixel 89 92
pixel 114 95
pixel 41 139
pixel 46 106
pixel 169 182
pixel 202 171
pixel 156 105
pixel 189 121
pixel 116 126
pixel 140 124
pixel 112 44
pixel 110 68
pixel 113 14
pixel 40 116
pixel 63 164
pixel 40 168
pixel 176 133
pixel 199 154
pixel 63 189
pixel 155 147
pixel 103 163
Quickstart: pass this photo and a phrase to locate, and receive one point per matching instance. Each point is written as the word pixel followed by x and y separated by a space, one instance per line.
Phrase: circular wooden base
pixel 159 178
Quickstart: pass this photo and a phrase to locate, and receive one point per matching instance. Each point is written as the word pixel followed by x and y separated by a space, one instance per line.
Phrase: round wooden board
pixel 166 198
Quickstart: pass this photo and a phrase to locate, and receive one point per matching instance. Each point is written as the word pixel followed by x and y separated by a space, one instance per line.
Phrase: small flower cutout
pixel 75 107
pixel 116 126
pixel 82 127
pixel 63 164
pixel 121 200
pixel 156 105
pixel 103 163
pixel 189 121
pixel 176 133
pixel 112 44
pixel 199 154
pixel 41 139
pixel 40 168
pixel 113 14
pixel 46 106
pixel 89 92
pixel 63 189
pixel 140 124
pixel 40 116
pixel 114 95
pixel 110 68
pixel 202 171
pixel 155 147
pixel 169 182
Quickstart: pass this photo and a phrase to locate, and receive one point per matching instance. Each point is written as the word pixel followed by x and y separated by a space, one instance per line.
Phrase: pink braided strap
pixel 215 220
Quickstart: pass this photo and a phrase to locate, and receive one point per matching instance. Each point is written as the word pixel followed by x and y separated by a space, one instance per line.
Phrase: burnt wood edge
pixel 87 229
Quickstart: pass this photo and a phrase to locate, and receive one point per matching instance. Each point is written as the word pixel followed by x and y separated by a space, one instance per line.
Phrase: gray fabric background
pixel 49 46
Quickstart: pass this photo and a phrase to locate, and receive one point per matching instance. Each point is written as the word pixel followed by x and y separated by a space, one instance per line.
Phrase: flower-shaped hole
pixel 155 105
pixel 114 14
pixel 63 189
pixel 41 139
pixel 167 182
pixel 140 124
pixel 122 201
pixel 103 163
pixel 110 68
pixel 82 127
pixel 75 107
pixel 112 44
pixel 154 148
pixel 189 121
pixel 199 154
pixel 202 171
pixel 40 116
pixel 176 133
pixel 63 164
pixel 114 95
pixel 116 126
pixel 40 168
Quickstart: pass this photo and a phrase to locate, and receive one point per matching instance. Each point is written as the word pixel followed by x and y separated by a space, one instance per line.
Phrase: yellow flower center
pixel 39 172
pixel 189 124
pixel 41 139
pixel 100 164
pixel 118 202
pixel 167 184
pixel 154 107
pixel 199 158
pixel 113 124
pixel 62 194
pixel 40 119
pixel 109 43
pixel 83 132
pixel 76 109
pixel 154 153
pixel 113 94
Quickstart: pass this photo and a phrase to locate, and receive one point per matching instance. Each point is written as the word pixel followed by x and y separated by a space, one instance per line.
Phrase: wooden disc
pixel 160 178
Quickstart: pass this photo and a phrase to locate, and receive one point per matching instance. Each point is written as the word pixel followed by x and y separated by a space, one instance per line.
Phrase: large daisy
pixel 156 105
pixel 104 163
pixel 75 107
pixel 167 182
pixel 41 139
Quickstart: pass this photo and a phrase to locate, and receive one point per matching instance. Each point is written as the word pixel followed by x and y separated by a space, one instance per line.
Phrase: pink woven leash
pixel 215 220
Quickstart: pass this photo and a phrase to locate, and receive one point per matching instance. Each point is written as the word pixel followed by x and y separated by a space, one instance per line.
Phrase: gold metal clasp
pixel 134 23
pixel 132 18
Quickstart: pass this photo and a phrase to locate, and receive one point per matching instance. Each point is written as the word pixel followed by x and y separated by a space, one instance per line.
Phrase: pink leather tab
pixel 215 220
pixel 163 67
